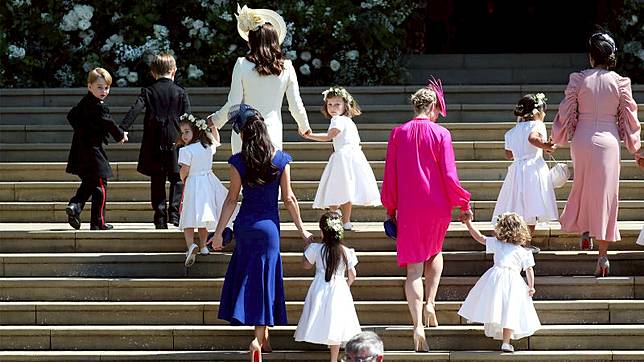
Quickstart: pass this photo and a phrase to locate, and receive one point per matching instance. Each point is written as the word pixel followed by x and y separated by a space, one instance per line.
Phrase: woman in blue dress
pixel 253 291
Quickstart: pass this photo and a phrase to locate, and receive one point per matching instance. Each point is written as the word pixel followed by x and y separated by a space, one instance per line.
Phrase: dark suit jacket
pixel 92 123
pixel 164 102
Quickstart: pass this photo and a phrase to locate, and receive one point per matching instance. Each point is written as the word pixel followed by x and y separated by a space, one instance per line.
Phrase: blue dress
pixel 253 291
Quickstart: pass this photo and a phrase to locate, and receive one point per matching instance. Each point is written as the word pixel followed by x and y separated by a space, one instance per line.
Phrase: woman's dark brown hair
pixel 265 51
pixel 526 105
pixel 197 135
pixel 257 152
pixel 332 251
pixel 602 50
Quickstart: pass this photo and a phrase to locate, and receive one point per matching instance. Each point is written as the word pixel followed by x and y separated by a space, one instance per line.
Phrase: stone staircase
pixel 80 295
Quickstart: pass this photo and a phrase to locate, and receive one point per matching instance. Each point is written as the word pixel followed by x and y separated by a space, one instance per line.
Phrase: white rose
pixel 317 63
pixel 69 22
pixel 194 72
pixel 203 32
pixel 16 52
pixel 291 54
pixel 305 56
pixel 123 72
pixel 305 70
pixel 84 12
pixel 198 24
pixel 335 65
pixel 160 31
pixel 352 54
pixel 133 77
pixel 121 82
pixel 84 24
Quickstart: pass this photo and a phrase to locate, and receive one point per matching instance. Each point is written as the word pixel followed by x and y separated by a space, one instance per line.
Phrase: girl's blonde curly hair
pixel 511 228
pixel 423 99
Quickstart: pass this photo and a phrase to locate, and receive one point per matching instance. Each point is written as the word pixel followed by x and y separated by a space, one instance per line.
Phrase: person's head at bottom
pixel 364 347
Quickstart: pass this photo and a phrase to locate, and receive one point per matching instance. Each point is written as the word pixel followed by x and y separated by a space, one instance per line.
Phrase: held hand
pixel 217 242
pixel 305 133
pixel 124 139
pixel 307 237
pixel 466 216
pixel 531 291
pixel 549 147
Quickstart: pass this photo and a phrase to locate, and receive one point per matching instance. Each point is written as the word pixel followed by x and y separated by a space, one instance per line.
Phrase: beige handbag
pixel 559 173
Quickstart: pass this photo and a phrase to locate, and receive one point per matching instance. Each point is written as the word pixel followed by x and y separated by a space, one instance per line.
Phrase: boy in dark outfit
pixel 92 123
pixel 164 102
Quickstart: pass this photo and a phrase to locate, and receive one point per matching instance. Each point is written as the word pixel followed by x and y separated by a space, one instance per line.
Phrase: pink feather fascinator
pixel 436 85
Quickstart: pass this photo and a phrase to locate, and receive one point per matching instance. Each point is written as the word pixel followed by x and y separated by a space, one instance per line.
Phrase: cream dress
pixel 264 93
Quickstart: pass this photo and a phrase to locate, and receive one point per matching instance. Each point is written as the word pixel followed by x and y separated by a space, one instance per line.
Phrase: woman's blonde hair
pixel 97 73
pixel 511 228
pixel 423 99
pixel 351 106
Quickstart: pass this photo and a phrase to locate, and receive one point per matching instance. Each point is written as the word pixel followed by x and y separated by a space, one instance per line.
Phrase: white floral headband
pixel 338 92
pixel 335 224
pixel 539 101
pixel 199 123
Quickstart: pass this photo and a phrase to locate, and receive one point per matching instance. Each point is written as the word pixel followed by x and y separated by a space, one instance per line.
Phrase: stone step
pixel 140 211
pixel 21 191
pixel 364 289
pixel 301 151
pixel 299 355
pixel 369 312
pixel 371 264
pixel 366 236
pixel 383 95
pixel 373 113
pixel 178 337
pixel 369 132
pixel 300 170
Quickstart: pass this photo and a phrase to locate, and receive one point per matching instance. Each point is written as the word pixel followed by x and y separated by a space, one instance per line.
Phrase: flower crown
pixel 248 19
pixel 335 224
pixel 199 123
pixel 539 101
pixel 338 92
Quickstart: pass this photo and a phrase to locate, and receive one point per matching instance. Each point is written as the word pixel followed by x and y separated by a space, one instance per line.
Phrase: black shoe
pixel 73 218
pixel 101 227
pixel 160 226
pixel 174 220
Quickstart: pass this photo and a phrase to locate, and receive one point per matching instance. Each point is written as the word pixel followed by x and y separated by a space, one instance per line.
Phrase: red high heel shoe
pixel 255 351
pixel 586 243
pixel 603 267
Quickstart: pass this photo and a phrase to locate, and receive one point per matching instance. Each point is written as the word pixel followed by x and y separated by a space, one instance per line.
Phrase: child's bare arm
pixel 529 273
pixel 351 276
pixel 305 263
pixel 324 137
pixel 536 140
pixel 508 155
pixel 183 172
pixel 474 232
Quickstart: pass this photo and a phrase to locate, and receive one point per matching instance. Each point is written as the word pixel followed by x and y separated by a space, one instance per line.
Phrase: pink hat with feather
pixel 436 85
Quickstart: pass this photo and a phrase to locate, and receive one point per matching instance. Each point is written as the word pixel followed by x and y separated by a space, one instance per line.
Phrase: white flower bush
pixel 317 63
pixel 132 77
pixel 305 56
pixel 305 69
pixel 78 18
pixel 16 52
pixel 194 72
pixel 334 65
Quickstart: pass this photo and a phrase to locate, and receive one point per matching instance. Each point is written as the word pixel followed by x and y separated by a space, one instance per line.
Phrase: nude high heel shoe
pixel 420 342
pixel 430 315
pixel 603 267
pixel 255 350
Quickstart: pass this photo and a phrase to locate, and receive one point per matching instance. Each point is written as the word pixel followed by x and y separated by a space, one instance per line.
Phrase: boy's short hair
pixel 96 73
pixel 163 64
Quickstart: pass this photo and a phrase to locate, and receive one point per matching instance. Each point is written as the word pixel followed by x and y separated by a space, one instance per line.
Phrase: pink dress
pixel 421 183
pixel 597 111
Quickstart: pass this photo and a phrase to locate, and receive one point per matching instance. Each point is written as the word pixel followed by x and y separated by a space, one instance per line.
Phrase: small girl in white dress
pixel 501 300
pixel 527 189
pixel 203 193
pixel 348 178
pixel 329 316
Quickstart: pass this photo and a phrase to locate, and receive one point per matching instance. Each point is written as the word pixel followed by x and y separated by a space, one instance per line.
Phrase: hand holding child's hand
pixel 531 291
pixel 466 216
pixel 306 133
pixel 124 139
pixel 217 242
pixel 549 147
pixel 307 237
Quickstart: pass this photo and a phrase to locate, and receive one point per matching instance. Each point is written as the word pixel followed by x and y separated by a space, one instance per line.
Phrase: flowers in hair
pixel 199 123
pixel 335 225
pixel 338 92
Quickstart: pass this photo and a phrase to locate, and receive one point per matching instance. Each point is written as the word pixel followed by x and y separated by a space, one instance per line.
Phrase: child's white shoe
pixel 507 347
pixel 204 251
pixel 347 226
pixel 191 254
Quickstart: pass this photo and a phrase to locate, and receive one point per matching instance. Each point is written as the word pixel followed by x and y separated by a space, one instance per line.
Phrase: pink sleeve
pixel 389 194
pixel 627 122
pixel 565 122
pixel 458 196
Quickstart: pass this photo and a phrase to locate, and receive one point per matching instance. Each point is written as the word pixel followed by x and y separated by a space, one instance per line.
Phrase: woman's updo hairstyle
pixel 423 99
pixel 602 48
pixel 529 105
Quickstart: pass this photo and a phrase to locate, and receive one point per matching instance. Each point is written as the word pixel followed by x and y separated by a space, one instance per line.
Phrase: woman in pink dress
pixel 597 111
pixel 419 191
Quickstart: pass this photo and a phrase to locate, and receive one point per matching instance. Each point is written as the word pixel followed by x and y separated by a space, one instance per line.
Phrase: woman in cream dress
pixel 260 81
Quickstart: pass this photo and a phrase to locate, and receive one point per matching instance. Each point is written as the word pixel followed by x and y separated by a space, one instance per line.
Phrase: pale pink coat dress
pixel 421 183
pixel 598 110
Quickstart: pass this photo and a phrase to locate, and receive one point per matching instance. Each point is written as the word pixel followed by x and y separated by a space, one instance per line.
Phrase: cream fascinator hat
pixel 251 19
